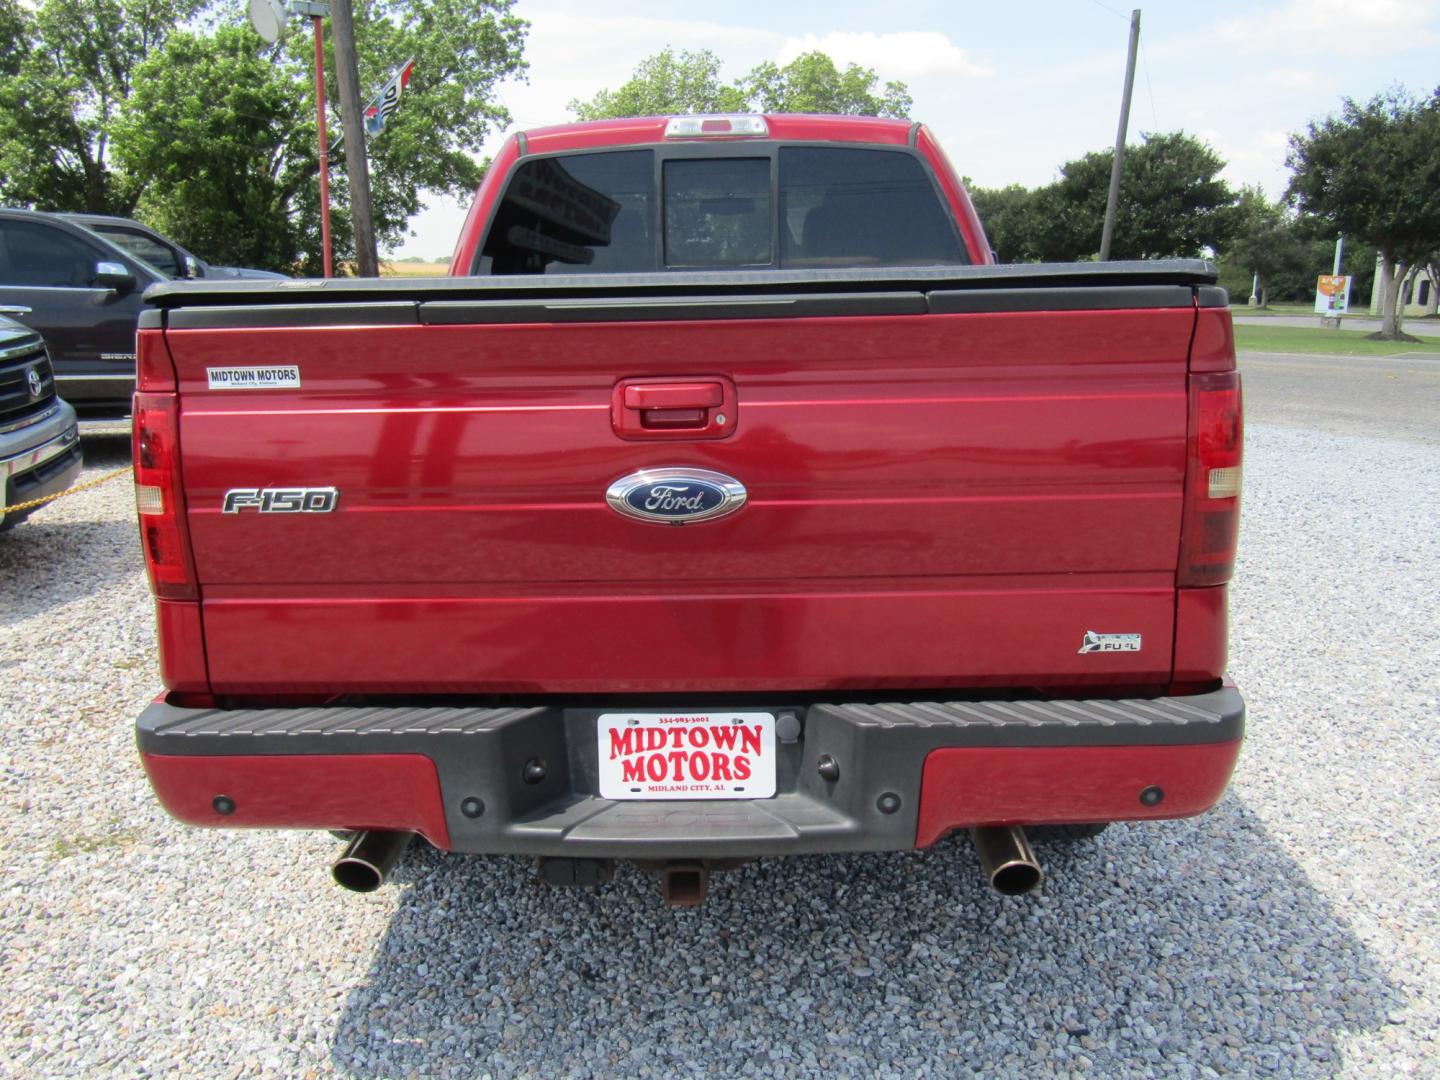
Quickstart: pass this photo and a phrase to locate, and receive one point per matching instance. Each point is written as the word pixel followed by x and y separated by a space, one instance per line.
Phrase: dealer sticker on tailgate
pixel 711 755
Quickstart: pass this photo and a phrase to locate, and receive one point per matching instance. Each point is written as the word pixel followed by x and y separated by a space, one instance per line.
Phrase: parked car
pixel 39 442
pixel 160 251
pixel 83 294
pixel 725 501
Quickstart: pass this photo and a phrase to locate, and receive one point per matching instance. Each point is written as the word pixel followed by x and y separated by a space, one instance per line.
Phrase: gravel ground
pixel 1291 932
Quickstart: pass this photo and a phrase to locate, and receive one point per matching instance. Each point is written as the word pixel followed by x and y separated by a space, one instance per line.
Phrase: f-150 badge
pixel 282 500
pixel 1094 642
pixel 676 496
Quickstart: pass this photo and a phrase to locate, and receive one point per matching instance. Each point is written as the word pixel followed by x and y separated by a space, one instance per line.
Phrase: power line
pixel 1155 116
pixel 1111 10
pixel 1149 88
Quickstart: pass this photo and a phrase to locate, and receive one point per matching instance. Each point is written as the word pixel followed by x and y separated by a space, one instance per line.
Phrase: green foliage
pixel 226 136
pixel 1172 204
pixel 1372 173
pixel 208 134
pixel 1271 242
pixel 68 65
pixel 462 50
pixel 670 83
pixel 1008 216
pixel 663 85
pixel 811 83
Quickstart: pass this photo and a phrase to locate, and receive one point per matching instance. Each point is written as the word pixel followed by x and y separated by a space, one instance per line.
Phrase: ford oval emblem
pixel 676 496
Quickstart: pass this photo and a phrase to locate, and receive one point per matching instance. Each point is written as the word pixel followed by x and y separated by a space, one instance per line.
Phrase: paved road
pixel 1290 932
pixel 1344 395
pixel 1415 327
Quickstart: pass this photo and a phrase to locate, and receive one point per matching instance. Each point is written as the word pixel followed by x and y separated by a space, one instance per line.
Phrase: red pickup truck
pixel 726 500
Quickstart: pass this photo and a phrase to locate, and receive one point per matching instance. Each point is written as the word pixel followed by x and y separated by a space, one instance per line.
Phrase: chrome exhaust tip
pixel 1006 859
pixel 368 859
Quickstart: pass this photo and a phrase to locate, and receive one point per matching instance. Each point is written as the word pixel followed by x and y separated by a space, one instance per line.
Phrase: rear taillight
pixel 1211 524
pixel 154 369
pixel 158 499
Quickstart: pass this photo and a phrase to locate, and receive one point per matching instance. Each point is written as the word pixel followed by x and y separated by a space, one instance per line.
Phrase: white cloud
pixel 613 33
pixel 906 53
pixel 1336 26
pixel 1253 157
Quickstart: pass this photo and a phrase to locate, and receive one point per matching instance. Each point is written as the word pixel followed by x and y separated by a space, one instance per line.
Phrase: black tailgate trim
pixel 1103 298
pixel 393 313
pixel 632 309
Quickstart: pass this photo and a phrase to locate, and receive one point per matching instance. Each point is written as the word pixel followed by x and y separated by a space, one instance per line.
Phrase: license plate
pixel 710 755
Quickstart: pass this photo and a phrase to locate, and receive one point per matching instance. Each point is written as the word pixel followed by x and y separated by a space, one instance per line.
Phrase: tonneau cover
pixel 1189 273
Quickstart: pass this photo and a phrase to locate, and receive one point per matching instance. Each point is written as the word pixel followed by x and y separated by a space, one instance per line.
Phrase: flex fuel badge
pixel 279 377
pixel 1093 642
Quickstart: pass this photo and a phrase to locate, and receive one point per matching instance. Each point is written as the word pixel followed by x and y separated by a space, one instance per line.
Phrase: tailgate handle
pixel 695 408
pixel 704 395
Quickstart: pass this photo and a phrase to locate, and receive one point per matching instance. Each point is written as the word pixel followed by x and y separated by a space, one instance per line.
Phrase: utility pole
pixel 269 18
pixel 1112 201
pixel 357 167
pixel 318 23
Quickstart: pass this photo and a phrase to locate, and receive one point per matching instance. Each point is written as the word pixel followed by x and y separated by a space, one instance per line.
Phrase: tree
pixel 1172 203
pixel 811 83
pixel 1269 242
pixel 669 84
pixel 227 137
pixel 1008 216
pixel 663 85
pixel 67 66
pixel 463 49
pixel 1372 173
pixel 223 127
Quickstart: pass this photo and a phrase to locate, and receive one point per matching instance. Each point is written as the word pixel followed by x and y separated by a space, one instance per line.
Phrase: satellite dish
pixel 269 18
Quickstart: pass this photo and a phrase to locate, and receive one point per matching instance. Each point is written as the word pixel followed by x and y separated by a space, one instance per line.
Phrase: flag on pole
pixel 377 114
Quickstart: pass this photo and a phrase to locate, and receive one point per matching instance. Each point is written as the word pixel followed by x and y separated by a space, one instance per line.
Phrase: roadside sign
pixel 1332 294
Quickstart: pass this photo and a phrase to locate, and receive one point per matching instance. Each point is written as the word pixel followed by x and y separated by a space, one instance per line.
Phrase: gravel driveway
pixel 1293 931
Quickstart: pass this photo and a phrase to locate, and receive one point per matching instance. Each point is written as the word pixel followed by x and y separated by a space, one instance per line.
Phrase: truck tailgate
pixel 935 498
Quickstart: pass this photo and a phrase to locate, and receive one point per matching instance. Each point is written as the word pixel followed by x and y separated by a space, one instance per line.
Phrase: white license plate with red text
pixel 709 755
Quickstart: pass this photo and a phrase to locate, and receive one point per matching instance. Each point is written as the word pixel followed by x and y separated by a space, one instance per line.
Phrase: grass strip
pixel 1302 339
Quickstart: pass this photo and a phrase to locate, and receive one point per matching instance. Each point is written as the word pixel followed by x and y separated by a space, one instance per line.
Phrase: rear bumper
pixel 908 773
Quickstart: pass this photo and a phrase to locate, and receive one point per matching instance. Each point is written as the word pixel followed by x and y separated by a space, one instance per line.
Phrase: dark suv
pixel 160 251
pixel 83 294
pixel 39 444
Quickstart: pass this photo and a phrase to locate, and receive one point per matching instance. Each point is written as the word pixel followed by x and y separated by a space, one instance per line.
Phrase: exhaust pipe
pixel 685 884
pixel 1006 859
pixel 368 859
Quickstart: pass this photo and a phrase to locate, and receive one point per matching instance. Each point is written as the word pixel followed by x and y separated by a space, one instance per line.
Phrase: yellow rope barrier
pixel 61 494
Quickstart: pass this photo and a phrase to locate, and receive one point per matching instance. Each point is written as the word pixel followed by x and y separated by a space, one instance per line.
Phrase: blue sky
pixel 1012 90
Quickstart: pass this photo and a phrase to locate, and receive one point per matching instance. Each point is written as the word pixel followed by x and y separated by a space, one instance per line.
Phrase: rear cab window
pixel 746 206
